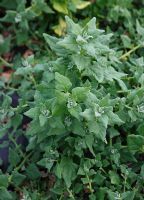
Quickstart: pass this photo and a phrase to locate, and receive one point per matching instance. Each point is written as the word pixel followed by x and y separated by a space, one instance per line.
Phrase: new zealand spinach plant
pixel 81 122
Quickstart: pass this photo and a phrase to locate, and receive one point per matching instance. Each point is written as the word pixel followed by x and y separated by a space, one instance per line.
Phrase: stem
pixel 128 107
pixel 61 197
pixel 121 91
pixel 17 146
pixel 129 52
pixel 19 107
pixel 102 170
pixel 19 166
pixel 127 78
pixel 5 62
pixel 33 80
pixel 125 180
pixel 123 147
pixel 70 194
pixel 11 88
pixel 111 143
pixel 111 146
pixel 90 185
pixel 23 162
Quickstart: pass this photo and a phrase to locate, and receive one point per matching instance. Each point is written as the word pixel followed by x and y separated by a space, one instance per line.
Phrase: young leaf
pixel 114 178
pixel 68 170
pixel 4 181
pixel 72 27
pixel 135 143
pixel 89 139
pixel 80 93
pixel 5 194
pixel 63 84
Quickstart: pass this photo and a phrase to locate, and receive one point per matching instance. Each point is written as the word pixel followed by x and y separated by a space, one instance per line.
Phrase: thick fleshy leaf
pixel 136 143
pixel 62 82
pixel 72 27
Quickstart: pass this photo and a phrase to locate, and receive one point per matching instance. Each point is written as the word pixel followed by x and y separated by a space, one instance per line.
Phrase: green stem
pixel 122 91
pixel 125 181
pixel 20 166
pixel 23 162
pixel 5 62
pixel 111 146
pixel 17 146
pixel 123 147
pixel 90 185
pixel 33 80
pixel 70 194
pixel 128 107
pixel 111 143
pixel 11 88
pixel 61 197
pixel 129 52
pixel 103 170
pixel 127 78
pixel 18 108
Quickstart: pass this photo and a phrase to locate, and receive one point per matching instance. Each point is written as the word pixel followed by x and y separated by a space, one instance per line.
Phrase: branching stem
pixel 129 52
pixel 90 185
pixel 70 194
pixel 5 62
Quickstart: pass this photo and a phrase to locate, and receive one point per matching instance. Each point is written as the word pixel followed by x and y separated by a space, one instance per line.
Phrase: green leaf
pixel 75 111
pixel 5 44
pixel 33 172
pixel 5 194
pixel 113 195
pixel 135 143
pixel 9 17
pixel 101 193
pixel 87 114
pixel 114 178
pixel 92 197
pixel 32 113
pixel 67 168
pixel 114 118
pixel 4 181
pixel 98 128
pixel 111 74
pixel 142 171
pixel 8 5
pixel 77 128
pixel 81 61
pixel 98 72
pixel 40 6
pixel 80 93
pixel 60 6
pixel 113 132
pixel 62 83
pixel 42 119
pixel 14 157
pixel 89 139
pixel 126 41
pixel 91 27
pixel 129 195
pixel 17 178
pixel 46 162
pixel 72 27
pixel 139 28
pixel 69 43
pixel 52 42
pixel 99 178
pixel 82 4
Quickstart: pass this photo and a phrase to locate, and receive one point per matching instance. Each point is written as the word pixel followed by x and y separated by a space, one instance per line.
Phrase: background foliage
pixel 71 99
